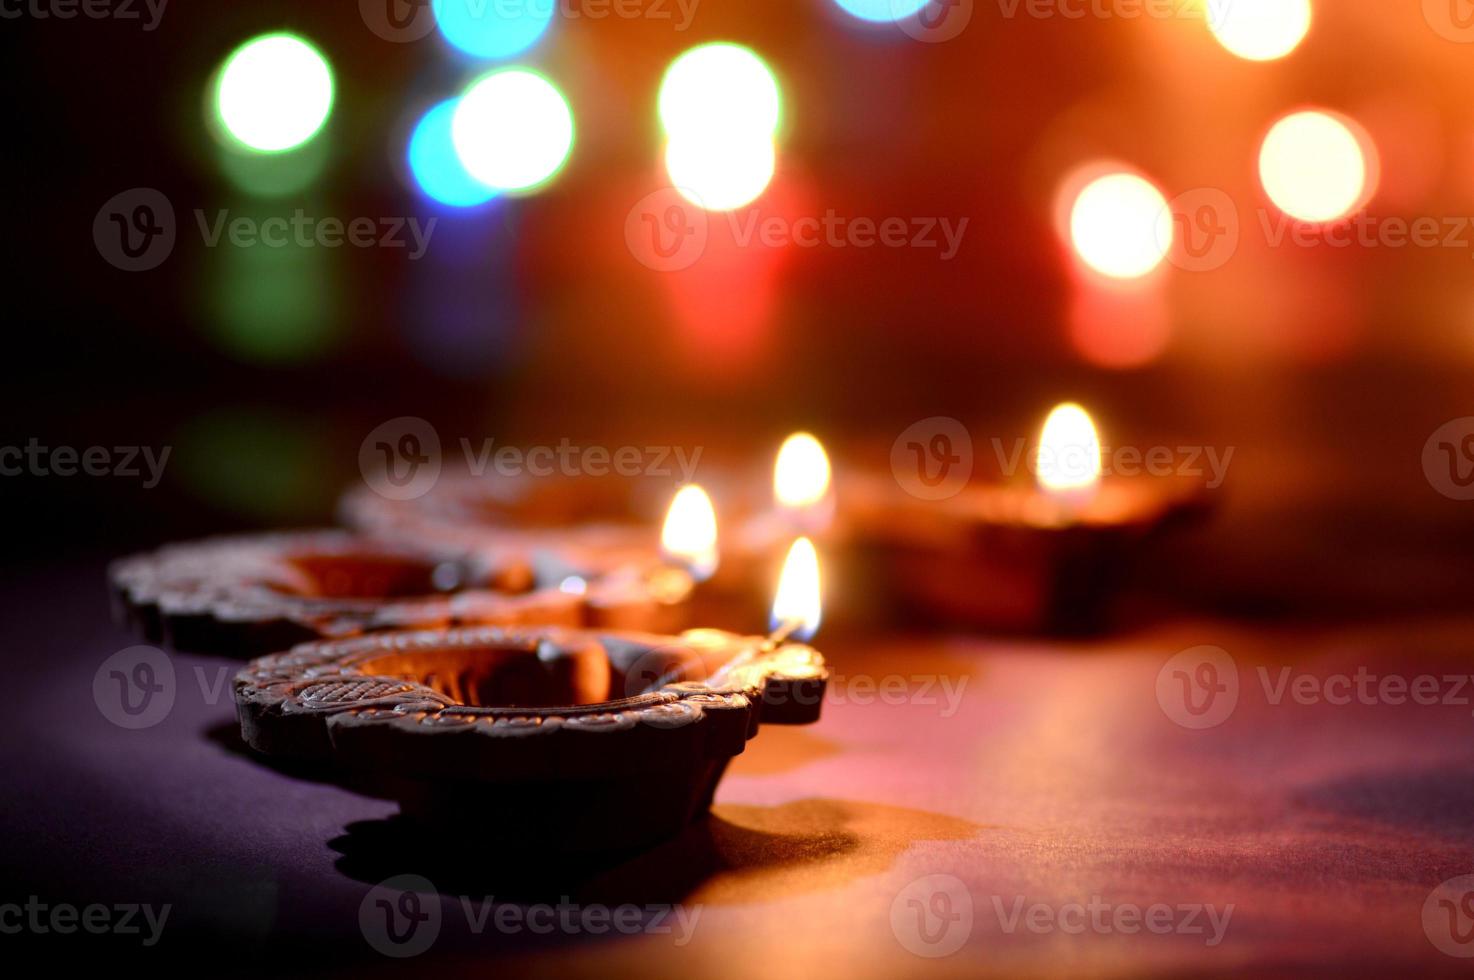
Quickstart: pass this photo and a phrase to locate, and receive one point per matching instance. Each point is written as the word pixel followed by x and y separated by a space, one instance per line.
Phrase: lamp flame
pixel 797 605
pixel 689 535
pixel 1069 453
pixel 801 472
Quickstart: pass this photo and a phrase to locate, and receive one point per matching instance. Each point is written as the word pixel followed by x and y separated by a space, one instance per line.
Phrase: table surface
pixel 1023 807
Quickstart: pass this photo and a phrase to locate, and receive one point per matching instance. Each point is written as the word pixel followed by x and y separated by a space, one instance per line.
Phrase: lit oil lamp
pixel 564 740
pixel 244 596
pixel 802 502
pixel 1019 557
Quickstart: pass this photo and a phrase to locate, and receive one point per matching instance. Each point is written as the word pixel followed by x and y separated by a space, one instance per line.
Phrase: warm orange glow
pixel 1315 166
pixel 1121 226
pixel 1119 328
pixel 801 473
pixel 689 535
pixel 1259 30
pixel 1069 453
pixel 797 602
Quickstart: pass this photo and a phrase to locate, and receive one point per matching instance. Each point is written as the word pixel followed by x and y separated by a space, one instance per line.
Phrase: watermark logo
pixel 400 459
pixel 135 687
pixel 1204 228
pixel 1452 20
pixel 400 916
pixel 1199 688
pixel 932 459
pixel 135 230
pixel 932 916
pixel 398 21
pixel 665 231
pixel 935 22
pixel 1448 917
pixel 1448 459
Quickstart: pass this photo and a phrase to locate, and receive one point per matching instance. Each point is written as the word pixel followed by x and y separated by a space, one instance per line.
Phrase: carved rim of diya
pixel 248 595
pixel 607 739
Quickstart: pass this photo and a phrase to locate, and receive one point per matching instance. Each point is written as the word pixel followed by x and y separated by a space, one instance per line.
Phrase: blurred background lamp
pixel 512 130
pixel 1313 167
pixel 492 28
pixel 274 93
pixel 1121 226
pixel 1259 30
pixel 881 11
pixel 436 168
pixel 721 173
pixel 719 88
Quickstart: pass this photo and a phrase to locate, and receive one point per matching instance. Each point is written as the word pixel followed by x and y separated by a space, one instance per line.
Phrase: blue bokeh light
pixel 496 28
pixel 436 167
pixel 878 11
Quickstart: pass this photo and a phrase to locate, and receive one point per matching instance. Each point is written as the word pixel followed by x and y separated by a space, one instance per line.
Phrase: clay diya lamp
pixel 517 737
pixel 1044 558
pixel 248 595
pixel 606 516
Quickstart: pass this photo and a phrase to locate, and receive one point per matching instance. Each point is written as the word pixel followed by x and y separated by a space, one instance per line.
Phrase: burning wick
pixel 801 479
pixel 689 536
pixel 1068 462
pixel 797 607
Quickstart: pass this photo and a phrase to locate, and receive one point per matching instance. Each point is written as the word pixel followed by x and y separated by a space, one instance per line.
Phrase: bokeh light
pixel 1119 329
pixel 274 93
pixel 1314 167
pixel 1121 226
pixel 267 175
pixel 273 305
pixel 881 11
pixel 1259 30
pixel 492 28
pixel 720 174
pixel 512 130
pixel 719 90
pixel 435 166
pixel 720 107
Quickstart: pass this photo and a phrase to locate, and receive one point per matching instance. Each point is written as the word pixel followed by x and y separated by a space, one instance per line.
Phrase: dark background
pixel 529 321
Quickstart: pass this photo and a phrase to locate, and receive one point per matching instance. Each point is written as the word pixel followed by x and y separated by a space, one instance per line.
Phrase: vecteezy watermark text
pixel 309 231
pixel 401 459
pixel 63 919
pixel 135 230
pixel 402 917
pixel 406 21
pixel 35 459
pixel 1190 461
pixel 667 232
pixel 1102 917
pixel 147 12
pixel 1200 687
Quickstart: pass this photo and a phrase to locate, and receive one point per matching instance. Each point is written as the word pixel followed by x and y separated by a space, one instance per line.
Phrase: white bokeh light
pixel 274 93
pixel 512 130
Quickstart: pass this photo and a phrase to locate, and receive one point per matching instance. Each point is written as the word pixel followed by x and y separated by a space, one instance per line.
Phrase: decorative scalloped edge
pixel 227 581
pixel 282 682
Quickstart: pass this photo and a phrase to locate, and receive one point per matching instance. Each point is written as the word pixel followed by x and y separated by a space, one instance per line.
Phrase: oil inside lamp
pixel 797 605
pixel 689 535
pixel 801 482
pixel 1068 463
